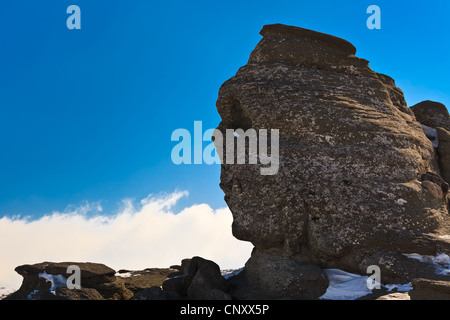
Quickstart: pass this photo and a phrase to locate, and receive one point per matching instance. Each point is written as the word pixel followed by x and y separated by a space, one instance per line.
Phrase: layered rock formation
pixel 194 279
pixel 359 182
pixel 48 281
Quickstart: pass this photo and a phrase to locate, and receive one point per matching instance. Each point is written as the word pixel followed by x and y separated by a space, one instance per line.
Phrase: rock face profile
pixel 362 183
pixel 359 182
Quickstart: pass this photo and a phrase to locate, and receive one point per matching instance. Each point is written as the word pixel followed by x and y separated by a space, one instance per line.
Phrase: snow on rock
pixel 431 134
pixel 400 287
pixel 345 286
pixel 56 280
pixel 5 292
pixel 348 286
pixel 441 261
pixel 124 274
pixel 32 294
pixel 227 273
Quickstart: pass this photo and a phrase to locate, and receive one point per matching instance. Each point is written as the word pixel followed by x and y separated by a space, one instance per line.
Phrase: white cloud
pixel 143 236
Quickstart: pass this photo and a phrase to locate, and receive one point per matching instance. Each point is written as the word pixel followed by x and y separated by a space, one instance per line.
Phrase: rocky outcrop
pixel 203 279
pixel 48 281
pixel 358 178
pixel 199 279
pixel 362 181
pixel 195 279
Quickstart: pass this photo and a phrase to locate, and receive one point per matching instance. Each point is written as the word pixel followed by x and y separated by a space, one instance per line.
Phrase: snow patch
pixel 400 287
pixel 401 201
pixel 230 272
pixel 441 261
pixel 56 280
pixel 431 134
pixel 348 286
pixel 124 275
pixel 345 286
pixel 5 292
pixel 32 293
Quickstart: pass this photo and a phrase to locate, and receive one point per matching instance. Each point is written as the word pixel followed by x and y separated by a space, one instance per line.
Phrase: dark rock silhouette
pixel 435 116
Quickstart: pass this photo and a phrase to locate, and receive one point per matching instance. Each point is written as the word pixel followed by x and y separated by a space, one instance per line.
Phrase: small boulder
pixel 201 276
pixel 270 276
pixel 432 114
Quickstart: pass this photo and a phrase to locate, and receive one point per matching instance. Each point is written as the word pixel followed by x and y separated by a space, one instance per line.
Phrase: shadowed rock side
pixel 435 116
pixel 358 178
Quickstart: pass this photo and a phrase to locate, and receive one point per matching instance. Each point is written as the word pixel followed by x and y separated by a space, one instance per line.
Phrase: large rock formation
pixel 358 178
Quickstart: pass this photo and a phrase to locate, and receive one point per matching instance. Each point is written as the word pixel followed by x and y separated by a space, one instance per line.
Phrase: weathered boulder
pixel 202 276
pixel 43 281
pixel 432 114
pixel 269 276
pixel 351 156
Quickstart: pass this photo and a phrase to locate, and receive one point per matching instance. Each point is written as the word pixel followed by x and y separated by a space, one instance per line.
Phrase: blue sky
pixel 87 115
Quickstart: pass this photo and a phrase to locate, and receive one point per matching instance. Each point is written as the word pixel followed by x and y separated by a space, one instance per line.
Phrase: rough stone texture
pixel 93 276
pixel 397 268
pixel 269 276
pixel 175 284
pixel 78 294
pixel 426 289
pixel 432 114
pixel 444 153
pixel 202 276
pixel 395 296
pixel 351 156
pixel 137 280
